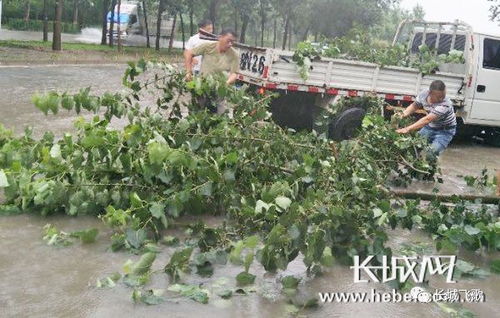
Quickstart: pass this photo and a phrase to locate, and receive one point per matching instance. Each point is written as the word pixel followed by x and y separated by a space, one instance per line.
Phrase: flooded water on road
pixel 37 280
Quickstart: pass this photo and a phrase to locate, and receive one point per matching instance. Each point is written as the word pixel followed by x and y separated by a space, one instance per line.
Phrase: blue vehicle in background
pixel 132 20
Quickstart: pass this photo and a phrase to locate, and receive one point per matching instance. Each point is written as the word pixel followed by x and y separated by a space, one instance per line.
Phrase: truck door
pixel 486 103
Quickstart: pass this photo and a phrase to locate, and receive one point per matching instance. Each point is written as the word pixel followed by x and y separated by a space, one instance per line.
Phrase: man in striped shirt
pixel 439 126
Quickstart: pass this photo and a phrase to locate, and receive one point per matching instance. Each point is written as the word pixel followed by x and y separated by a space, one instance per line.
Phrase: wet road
pixel 19 84
pixel 87 35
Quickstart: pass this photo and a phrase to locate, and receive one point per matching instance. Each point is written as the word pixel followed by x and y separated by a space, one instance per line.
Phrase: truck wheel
pixel 466 132
pixel 346 125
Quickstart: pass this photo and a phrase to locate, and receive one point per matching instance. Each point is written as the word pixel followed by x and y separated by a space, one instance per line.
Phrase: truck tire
pixel 346 125
pixel 466 132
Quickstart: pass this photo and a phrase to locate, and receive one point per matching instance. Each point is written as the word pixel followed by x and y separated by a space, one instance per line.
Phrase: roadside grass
pixel 83 49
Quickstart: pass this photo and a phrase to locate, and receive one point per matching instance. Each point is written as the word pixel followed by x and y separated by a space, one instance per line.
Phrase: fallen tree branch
pixel 485 199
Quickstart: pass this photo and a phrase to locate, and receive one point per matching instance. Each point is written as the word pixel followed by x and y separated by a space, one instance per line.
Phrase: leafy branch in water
pixel 282 192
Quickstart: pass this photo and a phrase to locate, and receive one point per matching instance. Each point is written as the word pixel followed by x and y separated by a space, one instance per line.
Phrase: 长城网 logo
pixel 403 268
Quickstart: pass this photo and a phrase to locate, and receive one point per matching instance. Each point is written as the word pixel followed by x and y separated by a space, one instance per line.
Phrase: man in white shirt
pixel 195 40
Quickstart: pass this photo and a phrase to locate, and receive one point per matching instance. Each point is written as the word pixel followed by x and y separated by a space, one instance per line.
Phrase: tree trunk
pixel 244 26
pixel 145 12
pixel 289 35
pixel 236 18
pixel 285 34
pixel 56 36
pixel 104 13
pixel 112 22
pixel 306 34
pixel 275 32
pixel 262 23
pixel 45 22
pixel 182 32
pixel 212 11
pixel 191 19
pixel 172 34
pixel 158 26
pixel 485 199
pixel 75 12
pixel 118 29
pixel 27 10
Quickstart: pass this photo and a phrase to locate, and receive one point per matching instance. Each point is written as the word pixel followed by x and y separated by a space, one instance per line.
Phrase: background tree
pixel 494 10
pixel 45 30
pixel 146 22
pixel 104 21
pixel 161 8
pixel 111 22
pixel 56 36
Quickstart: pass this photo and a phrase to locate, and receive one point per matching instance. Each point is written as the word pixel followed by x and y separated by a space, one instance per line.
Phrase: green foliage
pixel 144 264
pixel 148 297
pixel 86 236
pixel 481 181
pixel 245 278
pixel 60 238
pixel 109 281
pixel 303 55
pixel 359 45
pixel 282 192
pixel 192 292
pixel 495 266
pixel 178 263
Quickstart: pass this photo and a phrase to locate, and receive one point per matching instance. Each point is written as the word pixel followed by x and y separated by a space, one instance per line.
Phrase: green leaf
pixel 178 263
pixel 283 202
pixel 209 239
pixel 135 238
pixel 108 282
pixel 152 297
pixel 248 261
pixel 55 151
pixel 245 279
pixel 225 293
pixel 251 241
pixel 235 255
pixel 206 189
pixel 144 264
pixel 495 266
pixel 86 236
pixel 290 282
pixel 260 206
pixel 132 280
pixel 158 152
pixel 471 230
pixel 157 210
pixel 327 257
pixel 3 180
pixel 193 292
pixel 170 240
pixel 135 200
pixel 377 212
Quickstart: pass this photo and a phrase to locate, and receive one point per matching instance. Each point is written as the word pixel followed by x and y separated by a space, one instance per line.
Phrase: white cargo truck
pixel 472 86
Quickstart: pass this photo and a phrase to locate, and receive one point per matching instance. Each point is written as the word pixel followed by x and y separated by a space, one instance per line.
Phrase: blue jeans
pixel 438 139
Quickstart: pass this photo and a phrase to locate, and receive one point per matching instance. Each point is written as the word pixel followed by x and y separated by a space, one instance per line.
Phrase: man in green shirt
pixel 218 57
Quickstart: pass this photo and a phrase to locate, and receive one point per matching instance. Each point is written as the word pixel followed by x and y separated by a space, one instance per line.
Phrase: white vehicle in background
pixel 472 85
pixel 132 20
